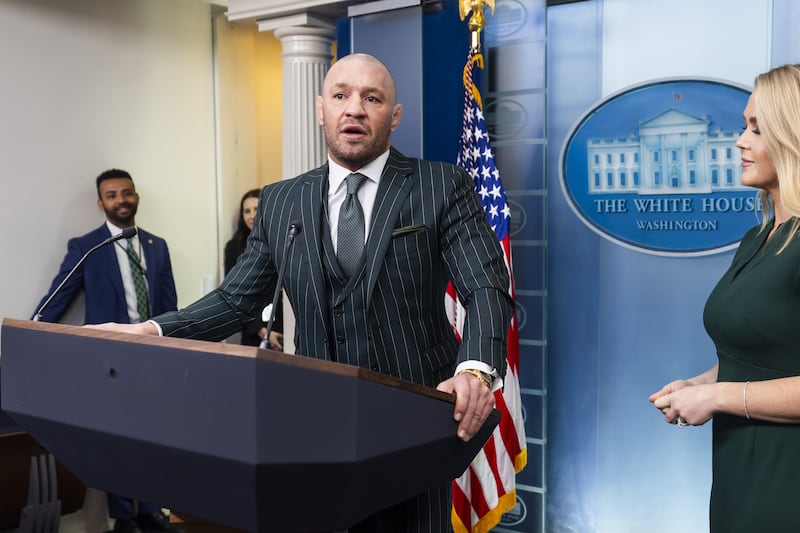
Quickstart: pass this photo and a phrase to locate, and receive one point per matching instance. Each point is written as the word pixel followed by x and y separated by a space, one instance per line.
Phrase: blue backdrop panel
pixel 573 283
pixel 395 37
pixel 621 324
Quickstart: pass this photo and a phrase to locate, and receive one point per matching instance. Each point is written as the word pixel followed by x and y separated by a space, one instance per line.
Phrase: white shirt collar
pixel 372 170
pixel 115 230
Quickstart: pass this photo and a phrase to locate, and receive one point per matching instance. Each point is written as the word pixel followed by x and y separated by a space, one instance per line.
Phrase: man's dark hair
pixel 111 174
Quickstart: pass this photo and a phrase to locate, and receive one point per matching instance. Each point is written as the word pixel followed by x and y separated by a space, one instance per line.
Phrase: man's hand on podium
pixel 143 328
pixel 474 402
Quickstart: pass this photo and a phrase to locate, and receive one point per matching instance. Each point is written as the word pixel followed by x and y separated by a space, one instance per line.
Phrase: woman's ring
pixel 682 423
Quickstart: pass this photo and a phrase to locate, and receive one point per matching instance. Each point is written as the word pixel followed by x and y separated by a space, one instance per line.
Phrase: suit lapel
pixel 392 193
pixel 112 266
pixel 146 245
pixel 309 242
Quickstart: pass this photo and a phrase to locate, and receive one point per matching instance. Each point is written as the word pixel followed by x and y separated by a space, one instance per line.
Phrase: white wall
pixel 93 84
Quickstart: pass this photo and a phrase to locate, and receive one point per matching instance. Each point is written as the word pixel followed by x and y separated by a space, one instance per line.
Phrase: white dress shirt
pixel 120 247
pixel 337 192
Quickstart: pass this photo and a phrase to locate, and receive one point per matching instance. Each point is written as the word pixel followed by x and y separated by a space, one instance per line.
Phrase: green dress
pixel 753 317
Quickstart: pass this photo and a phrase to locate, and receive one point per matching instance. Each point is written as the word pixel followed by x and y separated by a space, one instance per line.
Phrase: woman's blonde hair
pixel 777 98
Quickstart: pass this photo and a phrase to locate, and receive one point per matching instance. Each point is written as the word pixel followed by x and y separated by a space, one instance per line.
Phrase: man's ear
pixel 397 114
pixel 320 117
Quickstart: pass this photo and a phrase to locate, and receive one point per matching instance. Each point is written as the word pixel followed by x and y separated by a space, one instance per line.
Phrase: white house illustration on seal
pixel 671 153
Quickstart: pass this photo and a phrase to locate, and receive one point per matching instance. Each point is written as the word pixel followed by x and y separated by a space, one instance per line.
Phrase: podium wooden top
pixel 233 350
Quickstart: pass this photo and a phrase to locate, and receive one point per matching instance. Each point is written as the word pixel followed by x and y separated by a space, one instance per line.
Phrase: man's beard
pixel 356 155
pixel 121 221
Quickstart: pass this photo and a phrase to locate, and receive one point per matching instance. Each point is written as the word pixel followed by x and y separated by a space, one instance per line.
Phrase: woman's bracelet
pixel 744 399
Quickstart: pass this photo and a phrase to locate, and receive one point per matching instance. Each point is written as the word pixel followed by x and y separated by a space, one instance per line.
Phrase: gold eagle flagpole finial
pixel 477 21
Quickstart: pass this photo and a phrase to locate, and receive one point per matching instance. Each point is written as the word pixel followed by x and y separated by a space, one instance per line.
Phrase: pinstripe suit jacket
pixel 427 227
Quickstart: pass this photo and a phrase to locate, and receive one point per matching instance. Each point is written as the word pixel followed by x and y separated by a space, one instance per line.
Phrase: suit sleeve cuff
pixel 497 384
pixel 158 327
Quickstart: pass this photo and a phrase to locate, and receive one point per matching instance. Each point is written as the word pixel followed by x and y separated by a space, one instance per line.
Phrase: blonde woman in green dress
pixel 753 316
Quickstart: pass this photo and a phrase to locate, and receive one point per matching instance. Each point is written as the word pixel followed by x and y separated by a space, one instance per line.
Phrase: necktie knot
pixel 354 182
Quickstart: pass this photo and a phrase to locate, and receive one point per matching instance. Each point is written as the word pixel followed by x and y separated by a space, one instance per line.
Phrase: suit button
pixel 339 339
pixel 337 313
pixel 373 367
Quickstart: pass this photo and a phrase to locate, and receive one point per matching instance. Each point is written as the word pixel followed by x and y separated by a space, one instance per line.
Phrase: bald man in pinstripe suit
pixel 423 226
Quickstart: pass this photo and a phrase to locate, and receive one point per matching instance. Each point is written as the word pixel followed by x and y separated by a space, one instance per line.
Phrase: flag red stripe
pixel 508 431
pixel 461 509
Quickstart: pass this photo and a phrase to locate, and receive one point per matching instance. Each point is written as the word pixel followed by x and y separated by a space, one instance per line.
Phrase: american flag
pixel 488 488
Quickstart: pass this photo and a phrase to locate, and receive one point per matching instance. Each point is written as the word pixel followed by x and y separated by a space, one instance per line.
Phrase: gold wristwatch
pixel 487 379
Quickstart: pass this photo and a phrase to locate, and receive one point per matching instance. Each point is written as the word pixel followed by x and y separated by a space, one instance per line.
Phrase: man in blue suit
pixel 128 282
pixel 381 236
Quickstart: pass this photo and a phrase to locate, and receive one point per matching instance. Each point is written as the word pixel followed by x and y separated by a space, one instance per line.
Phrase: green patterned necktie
pixel 138 283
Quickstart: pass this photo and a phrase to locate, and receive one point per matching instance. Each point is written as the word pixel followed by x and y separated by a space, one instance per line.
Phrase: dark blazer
pixel 427 227
pixel 101 280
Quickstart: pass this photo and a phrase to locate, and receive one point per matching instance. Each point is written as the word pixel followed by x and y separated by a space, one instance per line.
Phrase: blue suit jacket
pixel 101 280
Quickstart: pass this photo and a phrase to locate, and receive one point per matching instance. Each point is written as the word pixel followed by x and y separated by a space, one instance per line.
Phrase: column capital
pixel 300 24
pixel 306 44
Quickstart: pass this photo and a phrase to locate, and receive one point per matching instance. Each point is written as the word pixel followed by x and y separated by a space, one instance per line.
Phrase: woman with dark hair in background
pixel 253 333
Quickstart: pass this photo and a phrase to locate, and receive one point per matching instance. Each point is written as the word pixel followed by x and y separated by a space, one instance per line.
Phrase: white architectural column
pixel 306 56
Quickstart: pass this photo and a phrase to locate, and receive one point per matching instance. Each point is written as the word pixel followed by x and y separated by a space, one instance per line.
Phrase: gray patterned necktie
pixel 350 239
pixel 142 304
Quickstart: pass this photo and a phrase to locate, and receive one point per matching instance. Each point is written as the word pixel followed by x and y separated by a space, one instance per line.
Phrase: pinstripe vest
pixel 350 339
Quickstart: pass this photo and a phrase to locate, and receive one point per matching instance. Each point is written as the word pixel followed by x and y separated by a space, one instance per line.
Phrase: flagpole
pixel 477 21
pixel 487 489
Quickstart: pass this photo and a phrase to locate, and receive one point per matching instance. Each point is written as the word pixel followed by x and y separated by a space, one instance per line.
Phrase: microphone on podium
pixel 127 233
pixel 295 228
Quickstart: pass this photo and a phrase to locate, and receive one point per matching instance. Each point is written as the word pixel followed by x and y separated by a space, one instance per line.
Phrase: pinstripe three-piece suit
pixel 427 227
